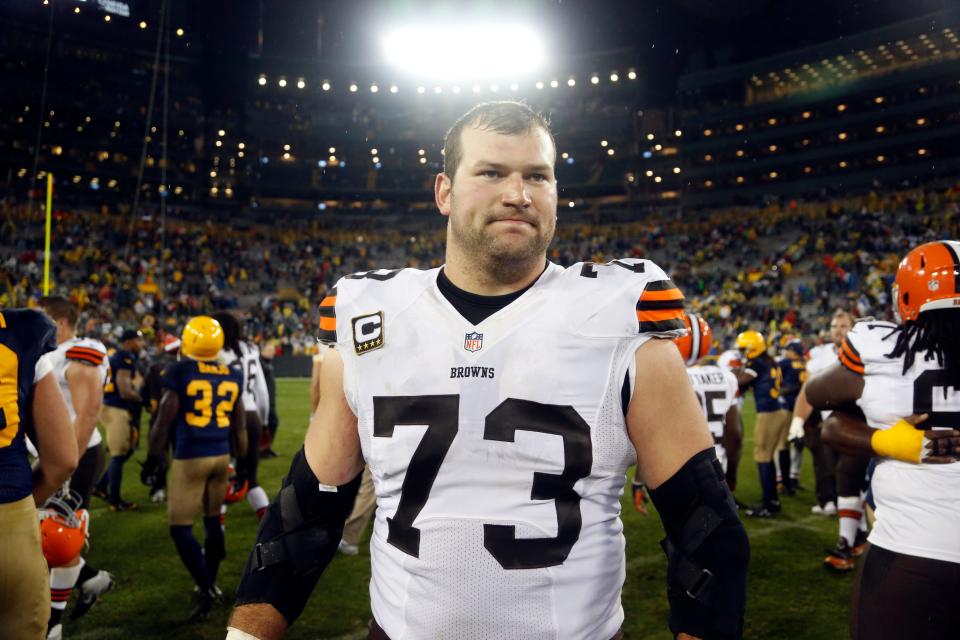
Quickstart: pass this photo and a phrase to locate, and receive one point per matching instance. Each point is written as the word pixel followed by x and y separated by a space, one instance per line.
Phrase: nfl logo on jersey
pixel 473 342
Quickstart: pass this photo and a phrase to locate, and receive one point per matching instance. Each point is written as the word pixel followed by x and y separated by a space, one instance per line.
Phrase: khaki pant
pixel 116 424
pixel 196 485
pixel 363 508
pixel 24 578
pixel 770 430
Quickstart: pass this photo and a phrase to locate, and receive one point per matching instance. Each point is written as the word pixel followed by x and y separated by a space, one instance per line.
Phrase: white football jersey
pixel 256 396
pixel 84 350
pixel 918 510
pixel 821 357
pixel 716 389
pixel 498 450
pixel 729 360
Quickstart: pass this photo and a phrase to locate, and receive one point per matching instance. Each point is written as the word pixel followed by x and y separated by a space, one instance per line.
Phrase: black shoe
pixel 840 558
pixel 762 510
pixel 796 485
pixel 205 602
pixel 89 591
pixel 123 505
pixel 788 489
pixel 859 544
pixel 100 493
pixel 267 454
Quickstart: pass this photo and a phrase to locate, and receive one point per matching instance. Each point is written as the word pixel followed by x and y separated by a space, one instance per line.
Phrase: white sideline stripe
pixel 772 527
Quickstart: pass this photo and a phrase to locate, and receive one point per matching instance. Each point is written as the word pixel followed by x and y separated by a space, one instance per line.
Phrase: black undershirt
pixel 474 307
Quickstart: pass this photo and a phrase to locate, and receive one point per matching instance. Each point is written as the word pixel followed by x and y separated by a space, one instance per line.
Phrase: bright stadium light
pixel 467 50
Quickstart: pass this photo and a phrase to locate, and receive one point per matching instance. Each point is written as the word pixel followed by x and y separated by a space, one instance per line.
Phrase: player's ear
pixel 442 188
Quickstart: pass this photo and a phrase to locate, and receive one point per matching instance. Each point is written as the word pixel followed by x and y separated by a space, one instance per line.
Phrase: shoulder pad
pixel 624 298
pixel 34 330
pixel 369 293
pixel 867 342
pixel 87 350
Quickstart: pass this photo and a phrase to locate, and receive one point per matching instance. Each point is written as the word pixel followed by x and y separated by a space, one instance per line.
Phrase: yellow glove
pixel 902 441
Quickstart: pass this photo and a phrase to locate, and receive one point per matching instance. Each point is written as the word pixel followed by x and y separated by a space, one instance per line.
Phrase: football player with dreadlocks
pixel 237 352
pixel 906 379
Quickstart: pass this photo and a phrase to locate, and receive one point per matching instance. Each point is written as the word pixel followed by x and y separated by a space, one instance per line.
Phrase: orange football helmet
pixel 235 493
pixel 696 344
pixel 63 528
pixel 928 278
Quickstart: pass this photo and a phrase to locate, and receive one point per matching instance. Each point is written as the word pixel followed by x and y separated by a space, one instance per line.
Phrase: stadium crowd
pixel 784 265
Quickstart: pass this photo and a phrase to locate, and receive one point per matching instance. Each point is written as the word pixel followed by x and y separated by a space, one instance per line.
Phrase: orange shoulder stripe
pixel 660 316
pixel 328 324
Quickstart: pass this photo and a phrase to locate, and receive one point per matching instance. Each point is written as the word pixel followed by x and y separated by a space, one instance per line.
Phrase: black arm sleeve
pixel 296 541
pixel 707 550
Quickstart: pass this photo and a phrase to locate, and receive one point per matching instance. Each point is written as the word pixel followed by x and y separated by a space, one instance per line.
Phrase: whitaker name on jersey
pixel 498 450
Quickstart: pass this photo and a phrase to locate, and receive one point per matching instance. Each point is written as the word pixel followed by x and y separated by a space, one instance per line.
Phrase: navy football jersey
pixel 207 393
pixel 120 361
pixel 793 373
pixel 766 386
pixel 25 335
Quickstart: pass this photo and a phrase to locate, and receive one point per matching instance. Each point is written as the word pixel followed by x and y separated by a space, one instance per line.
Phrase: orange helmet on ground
pixel 63 528
pixel 235 493
pixel 928 278
pixel 696 344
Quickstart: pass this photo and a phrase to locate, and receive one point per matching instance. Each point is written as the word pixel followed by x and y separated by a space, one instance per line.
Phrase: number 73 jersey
pixel 498 450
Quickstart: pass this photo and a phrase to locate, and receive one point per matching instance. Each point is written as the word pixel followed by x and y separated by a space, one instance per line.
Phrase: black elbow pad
pixel 707 550
pixel 297 539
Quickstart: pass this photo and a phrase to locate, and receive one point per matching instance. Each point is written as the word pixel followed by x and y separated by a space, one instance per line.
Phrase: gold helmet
pixel 202 338
pixel 751 344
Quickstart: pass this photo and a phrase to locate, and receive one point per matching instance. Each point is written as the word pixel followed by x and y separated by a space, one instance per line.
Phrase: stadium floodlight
pixel 301 83
pixel 469 51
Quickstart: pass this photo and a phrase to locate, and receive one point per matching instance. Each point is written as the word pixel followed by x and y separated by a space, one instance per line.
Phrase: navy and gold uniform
pixel 207 392
pixel 200 405
pixel 793 373
pixel 770 430
pixel 25 336
pixel 766 384
pixel 119 361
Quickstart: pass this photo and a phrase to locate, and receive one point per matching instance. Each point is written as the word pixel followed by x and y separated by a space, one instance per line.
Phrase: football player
pixel 716 389
pixel 793 371
pixel 117 415
pixel 761 373
pixel 498 402
pixel 239 353
pixel 81 368
pixel 908 582
pixel 201 404
pixel 806 422
pixel 30 402
pixel 152 391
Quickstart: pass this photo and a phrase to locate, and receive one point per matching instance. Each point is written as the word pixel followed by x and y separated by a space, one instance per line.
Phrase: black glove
pixel 153 473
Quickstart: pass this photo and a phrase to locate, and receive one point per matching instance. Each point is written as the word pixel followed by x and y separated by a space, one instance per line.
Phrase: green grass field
pixel 790 595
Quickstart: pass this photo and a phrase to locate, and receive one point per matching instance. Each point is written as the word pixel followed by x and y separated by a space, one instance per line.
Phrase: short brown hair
pixel 843 313
pixel 58 307
pixel 505 117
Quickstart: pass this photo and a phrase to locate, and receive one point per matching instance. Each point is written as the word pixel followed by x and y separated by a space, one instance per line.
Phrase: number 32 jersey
pixel 498 450
pixel 918 510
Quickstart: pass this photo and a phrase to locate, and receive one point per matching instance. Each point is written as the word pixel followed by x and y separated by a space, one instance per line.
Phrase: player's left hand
pixel 640 498
pixel 686 636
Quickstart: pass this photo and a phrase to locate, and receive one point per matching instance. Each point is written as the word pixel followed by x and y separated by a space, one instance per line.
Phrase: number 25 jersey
pixel 918 505
pixel 498 450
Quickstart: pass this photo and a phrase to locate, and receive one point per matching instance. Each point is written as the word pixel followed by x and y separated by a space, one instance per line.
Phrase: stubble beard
pixel 501 258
